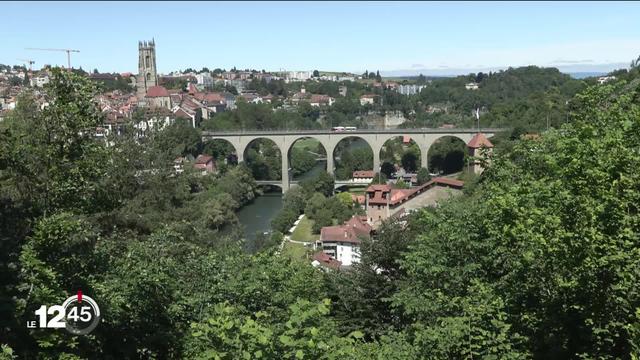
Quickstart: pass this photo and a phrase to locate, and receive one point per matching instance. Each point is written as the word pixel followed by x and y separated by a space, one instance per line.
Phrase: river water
pixel 257 216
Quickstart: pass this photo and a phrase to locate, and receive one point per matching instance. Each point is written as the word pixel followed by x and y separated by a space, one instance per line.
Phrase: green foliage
pixel 447 155
pixel 554 249
pixel 387 169
pixel 423 176
pixel 7 353
pixel 307 333
pixel 350 161
pixel 52 159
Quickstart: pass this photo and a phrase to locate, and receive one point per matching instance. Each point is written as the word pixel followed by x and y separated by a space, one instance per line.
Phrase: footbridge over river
pixel 376 138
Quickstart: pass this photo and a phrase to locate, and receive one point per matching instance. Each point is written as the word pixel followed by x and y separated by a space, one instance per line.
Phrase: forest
pixel 538 260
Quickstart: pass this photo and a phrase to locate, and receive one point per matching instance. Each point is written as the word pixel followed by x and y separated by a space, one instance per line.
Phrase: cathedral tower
pixel 147 73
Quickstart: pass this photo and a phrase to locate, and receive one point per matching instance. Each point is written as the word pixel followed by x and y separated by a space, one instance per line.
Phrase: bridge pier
pixel 376 160
pixel 424 158
pixel 285 172
pixel 330 166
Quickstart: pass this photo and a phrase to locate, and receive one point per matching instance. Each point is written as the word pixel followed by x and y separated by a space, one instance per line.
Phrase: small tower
pixel 147 71
pixel 476 146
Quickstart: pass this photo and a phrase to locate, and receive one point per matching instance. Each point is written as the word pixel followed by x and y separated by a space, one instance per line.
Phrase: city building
pixel 480 149
pixel 318 100
pixel 158 96
pixel 408 89
pixel 326 261
pixel 604 79
pixel 147 73
pixel 342 242
pixel 383 201
pixel 471 86
pixel 362 176
pixel 368 99
pixel 205 80
pixel 206 163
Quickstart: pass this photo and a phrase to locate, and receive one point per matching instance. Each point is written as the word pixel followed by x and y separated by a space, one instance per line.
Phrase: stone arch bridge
pixel 285 139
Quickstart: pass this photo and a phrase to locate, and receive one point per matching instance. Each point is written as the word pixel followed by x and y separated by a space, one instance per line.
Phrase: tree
pixel 345 199
pixel 15 81
pixel 387 169
pixel 316 73
pixel 409 161
pixel 53 160
pixel 423 176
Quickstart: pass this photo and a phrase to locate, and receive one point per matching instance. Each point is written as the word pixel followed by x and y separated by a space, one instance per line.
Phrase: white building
pixel 205 79
pixel 471 86
pixel 604 79
pixel 297 76
pixel 342 242
pixel 39 81
pixel 410 89
pixel 367 99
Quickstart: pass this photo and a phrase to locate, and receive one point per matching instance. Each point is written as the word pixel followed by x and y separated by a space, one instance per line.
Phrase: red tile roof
pixel 351 231
pixel 203 159
pixel 326 260
pixel 157 91
pixel 479 140
pixel 209 97
pixel 397 196
pixel 317 98
pixel 363 174
pixel 379 187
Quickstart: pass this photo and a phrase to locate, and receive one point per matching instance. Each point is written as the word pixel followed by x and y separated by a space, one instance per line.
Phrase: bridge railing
pixel 358 131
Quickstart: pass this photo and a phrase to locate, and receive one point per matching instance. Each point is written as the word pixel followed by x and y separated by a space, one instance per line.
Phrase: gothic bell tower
pixel 147 73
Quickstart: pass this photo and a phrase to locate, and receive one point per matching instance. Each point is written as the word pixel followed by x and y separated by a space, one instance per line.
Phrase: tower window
pixel 148 76
pixel 146 60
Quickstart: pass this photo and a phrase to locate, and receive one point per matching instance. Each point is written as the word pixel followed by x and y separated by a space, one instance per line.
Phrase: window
pixel 148 76
pixel 146 61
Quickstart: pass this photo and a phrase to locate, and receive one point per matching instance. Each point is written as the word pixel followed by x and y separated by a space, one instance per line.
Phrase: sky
pixel 393 37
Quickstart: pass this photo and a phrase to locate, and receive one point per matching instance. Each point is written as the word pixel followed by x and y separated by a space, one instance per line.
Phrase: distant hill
pixel 585 74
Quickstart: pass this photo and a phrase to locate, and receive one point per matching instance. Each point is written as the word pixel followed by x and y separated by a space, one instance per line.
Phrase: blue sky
pixel 398 36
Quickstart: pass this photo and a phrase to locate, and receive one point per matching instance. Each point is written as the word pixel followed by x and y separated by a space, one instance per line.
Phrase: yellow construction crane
pixel 30 62
pixel 69 51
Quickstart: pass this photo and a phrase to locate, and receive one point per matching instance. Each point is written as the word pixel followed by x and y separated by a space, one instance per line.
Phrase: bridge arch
pixel 346 162
pixel 307 154
pixel 447 153
pixel 221 148
pixel 400 150
pixel 265 158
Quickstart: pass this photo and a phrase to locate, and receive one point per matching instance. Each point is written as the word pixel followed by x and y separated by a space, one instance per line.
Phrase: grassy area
pixel 295 251
pixel 357 190
pixel 303 231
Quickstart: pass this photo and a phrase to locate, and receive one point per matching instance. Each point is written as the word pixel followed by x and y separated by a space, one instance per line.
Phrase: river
pixel 257 216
